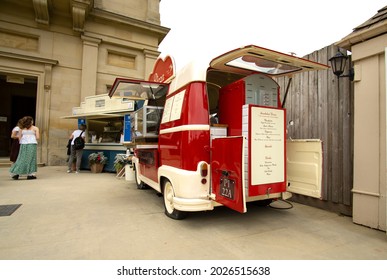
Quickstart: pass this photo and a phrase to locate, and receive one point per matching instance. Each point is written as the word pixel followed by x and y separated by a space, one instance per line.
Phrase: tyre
pixel 168 195
pixel 140 184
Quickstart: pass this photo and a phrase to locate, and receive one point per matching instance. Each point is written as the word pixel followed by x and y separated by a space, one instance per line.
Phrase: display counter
pixel 109 124
pixel 110 150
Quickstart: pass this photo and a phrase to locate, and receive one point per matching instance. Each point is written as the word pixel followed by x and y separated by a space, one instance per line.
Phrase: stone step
pixel 8 164
pixel 4 162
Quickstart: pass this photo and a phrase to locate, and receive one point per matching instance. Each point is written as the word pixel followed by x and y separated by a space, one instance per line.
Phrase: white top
pixel 28 136
pixel 76 134
pixel 16 129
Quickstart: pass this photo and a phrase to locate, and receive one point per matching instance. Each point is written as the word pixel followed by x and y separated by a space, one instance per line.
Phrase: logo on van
pixel 163 71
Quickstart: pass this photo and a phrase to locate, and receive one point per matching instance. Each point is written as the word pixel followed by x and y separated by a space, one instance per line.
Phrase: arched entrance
pixel 18 99
pixel 34 74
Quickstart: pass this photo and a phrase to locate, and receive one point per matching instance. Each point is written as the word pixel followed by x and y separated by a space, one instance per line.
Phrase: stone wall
pixel 74 49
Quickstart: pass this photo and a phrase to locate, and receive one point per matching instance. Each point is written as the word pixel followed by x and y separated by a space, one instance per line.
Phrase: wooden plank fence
pixel 321 107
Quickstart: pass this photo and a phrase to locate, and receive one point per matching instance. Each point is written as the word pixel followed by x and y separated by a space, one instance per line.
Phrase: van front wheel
pixel 170 210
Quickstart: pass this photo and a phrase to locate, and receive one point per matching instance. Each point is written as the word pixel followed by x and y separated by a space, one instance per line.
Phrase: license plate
pixel 227 188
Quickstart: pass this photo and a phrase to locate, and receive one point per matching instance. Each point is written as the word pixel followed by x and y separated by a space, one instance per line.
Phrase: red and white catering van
pixel 215 134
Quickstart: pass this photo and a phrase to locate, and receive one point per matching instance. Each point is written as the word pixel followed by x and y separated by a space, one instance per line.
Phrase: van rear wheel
pixel 168 195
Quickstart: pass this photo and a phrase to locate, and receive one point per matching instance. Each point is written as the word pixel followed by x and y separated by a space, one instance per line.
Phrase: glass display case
pixel 145 122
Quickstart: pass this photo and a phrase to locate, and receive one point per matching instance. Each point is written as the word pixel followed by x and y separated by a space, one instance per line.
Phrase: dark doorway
pixel 17 100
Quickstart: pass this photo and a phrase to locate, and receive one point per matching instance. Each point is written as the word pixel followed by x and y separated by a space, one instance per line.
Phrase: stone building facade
pixel 54 53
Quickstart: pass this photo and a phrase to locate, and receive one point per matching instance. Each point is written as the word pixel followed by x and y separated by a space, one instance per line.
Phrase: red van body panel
pixel 183 148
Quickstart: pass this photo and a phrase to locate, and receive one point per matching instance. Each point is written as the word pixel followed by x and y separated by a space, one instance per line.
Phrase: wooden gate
pixel 320 106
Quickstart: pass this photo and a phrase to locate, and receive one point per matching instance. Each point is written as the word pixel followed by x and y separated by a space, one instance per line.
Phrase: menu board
pixel 173 107
pixel 267 145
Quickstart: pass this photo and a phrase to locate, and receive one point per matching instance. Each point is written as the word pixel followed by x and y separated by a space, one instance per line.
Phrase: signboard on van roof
pixel 163 71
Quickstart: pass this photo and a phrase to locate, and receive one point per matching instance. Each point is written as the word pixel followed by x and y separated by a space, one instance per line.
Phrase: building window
pixel 121 60
pixel 18 41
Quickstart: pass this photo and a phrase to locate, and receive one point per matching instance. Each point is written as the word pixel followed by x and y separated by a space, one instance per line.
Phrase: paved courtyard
pixel 90 216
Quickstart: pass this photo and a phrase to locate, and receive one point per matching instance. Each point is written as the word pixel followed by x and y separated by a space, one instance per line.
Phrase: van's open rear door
pixel 227 172
pixel 304 157
pixel 253 59
pixel 304 161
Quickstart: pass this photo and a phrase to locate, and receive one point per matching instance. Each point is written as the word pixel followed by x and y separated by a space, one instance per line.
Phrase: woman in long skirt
pixel 26 163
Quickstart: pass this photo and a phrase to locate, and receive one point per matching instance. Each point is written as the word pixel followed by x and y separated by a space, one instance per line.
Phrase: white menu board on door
pixel 267 145
pixel 173 107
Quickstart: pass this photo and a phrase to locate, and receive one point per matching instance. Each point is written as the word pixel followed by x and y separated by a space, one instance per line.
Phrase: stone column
pixel 89 66
pixel 152 13
pixel 44 110
pixel 150 59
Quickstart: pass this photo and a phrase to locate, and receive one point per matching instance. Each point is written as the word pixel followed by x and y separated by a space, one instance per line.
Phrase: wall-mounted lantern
pixel 338 62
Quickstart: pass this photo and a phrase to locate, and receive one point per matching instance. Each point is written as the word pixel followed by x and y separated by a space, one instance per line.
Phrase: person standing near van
pixel 26 163
pixel 15 145
pixel 76 152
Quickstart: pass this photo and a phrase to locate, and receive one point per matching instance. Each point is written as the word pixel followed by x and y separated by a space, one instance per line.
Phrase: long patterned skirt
pixel 26 163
